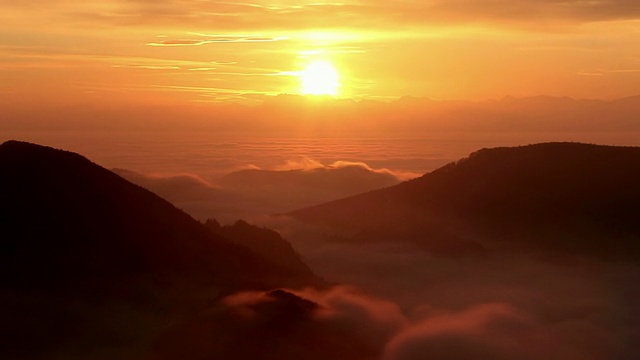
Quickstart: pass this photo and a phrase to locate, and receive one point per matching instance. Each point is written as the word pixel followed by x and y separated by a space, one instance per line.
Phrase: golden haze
pixel 178 52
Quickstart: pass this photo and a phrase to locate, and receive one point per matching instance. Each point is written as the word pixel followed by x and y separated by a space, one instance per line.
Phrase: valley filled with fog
pixel 399 281
pixel 395 298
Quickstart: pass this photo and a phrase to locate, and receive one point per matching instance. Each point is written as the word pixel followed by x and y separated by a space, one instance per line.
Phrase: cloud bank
pixel 283 15
pixel 345 323
pixel 255 192
pixel 282 324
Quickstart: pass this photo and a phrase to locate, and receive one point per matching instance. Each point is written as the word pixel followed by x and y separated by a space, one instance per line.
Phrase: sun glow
pixel 320 78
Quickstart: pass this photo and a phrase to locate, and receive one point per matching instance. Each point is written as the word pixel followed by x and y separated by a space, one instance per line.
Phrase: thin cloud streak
pixel 374 45
pixel 370 14
pixel 602 72
pixel 212 39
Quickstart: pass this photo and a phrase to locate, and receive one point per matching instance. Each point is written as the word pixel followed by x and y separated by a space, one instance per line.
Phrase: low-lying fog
pixel 413 305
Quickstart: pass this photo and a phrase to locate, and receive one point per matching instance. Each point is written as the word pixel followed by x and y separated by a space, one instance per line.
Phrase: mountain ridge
pixel 97 267
pixel 544 191
pixel 131 219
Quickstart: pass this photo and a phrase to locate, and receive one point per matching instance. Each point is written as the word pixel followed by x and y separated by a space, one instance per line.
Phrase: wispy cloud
pixel 151 67
pixel 370 14
pixel 602 72
pixel 212 39
pixel 382 49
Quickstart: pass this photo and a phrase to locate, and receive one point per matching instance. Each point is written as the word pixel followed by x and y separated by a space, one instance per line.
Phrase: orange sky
pixel 185 51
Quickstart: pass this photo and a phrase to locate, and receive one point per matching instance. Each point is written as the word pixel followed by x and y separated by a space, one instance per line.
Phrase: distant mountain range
pixel 333 181
pixel 82 247
pixel 254 192
pixel 561 198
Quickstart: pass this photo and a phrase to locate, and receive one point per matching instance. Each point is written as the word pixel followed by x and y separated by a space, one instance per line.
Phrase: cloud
pixel 364 166
pixel 500 331
pixel 169 182
pixel 359 14
pixel 302 163
pixel 306 182
pixel 191 193
pixel 339 323
pixel 503 305
pixel 377 318
pixel 150 67
pixel 211 39
pixel 483 332
pixel 538 10
pixel 602 72
pixel 338 304
pixel 345 323
pixel 308 164
pixel 254 191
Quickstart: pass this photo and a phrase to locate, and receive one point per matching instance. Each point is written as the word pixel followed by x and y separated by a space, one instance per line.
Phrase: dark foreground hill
pixel 265 242
pixel 565 198
pixel 91 261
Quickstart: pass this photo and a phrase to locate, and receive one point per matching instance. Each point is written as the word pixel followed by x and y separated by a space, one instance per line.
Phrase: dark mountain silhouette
pixel 86 255
pixel 563 197
pixel 66 219
pixel 265 242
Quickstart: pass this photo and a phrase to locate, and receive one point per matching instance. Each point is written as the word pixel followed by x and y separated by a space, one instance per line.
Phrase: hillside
pixel 81 247
pixel 267 243
pixel 563 197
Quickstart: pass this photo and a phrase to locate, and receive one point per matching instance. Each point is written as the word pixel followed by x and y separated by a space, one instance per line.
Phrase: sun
pixel 320 78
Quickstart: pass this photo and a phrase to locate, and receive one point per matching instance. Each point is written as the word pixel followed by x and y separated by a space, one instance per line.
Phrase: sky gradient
pixel 187 51
pixel 204 103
